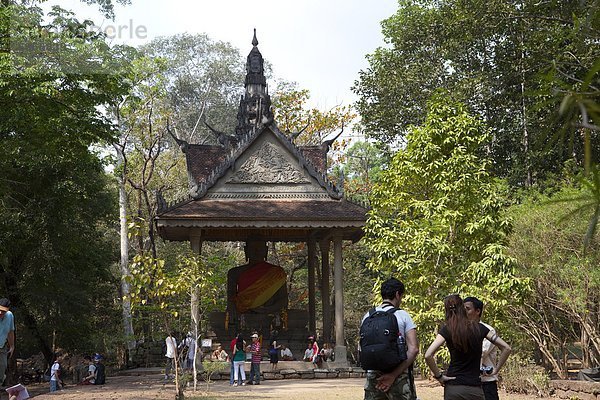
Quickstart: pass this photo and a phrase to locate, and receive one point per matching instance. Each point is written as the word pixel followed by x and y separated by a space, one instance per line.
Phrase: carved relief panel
pixel 268 165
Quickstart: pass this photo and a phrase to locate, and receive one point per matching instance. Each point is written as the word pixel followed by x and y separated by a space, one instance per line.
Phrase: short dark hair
pixel 390 287
pixel 477 304
pixel 4 302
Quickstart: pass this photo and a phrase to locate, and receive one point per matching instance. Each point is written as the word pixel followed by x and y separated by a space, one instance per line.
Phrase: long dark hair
pixel 239 343
pixel 462 330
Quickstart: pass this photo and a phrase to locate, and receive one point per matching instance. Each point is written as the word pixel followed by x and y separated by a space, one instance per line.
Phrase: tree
pixel 294 116
pixel 495 56
pixel 56 200
pixel 204 80
pixel 436 220
pixel 162 287
pixel 176 82
pixel 361 165
pixel 561 314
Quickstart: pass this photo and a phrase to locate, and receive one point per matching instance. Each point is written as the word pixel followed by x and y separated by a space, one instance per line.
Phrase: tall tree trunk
pixel 526 138
pixel 194 310
pixel 125 272
pixel 194 300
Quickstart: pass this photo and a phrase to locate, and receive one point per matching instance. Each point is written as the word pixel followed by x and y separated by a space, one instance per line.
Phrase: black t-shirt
pixel 465 366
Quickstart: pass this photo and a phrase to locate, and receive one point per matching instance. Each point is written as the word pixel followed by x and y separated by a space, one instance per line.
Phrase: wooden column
pixel 312 263
pixel 196 243
pixel 338 282
pixel 324 246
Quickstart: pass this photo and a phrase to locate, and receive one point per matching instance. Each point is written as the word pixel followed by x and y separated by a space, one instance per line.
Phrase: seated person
pixel 219 354
pixel 90 378
pixel 100 370
pixel 308 353
pixel 286 353
pixel 326 352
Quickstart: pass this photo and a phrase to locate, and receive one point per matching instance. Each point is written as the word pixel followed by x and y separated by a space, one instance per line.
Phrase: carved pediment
pixel 268 165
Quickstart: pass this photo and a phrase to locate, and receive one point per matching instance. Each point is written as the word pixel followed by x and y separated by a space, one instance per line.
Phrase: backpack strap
pixel 390 310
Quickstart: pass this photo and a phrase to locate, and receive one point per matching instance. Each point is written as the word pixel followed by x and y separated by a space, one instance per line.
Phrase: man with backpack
pixel 388 347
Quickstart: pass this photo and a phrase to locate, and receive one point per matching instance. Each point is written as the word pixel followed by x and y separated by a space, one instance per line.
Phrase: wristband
pixel 438 376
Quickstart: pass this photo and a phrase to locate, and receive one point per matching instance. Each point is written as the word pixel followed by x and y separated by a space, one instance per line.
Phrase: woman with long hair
pixel 239 357
pixel 464 338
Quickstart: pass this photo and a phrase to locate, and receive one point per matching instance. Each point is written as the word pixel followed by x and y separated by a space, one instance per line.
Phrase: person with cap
pixel 255 351
pixel 55 373
pixel 7 336
pixel 189 343
pixel 100 370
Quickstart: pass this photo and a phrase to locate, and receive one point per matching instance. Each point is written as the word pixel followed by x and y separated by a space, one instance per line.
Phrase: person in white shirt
pixel 190 343
pixel 308 353
pixel 171 353
pixel 55 378
pixel 286 353
pixel 397 384
pixel 90 378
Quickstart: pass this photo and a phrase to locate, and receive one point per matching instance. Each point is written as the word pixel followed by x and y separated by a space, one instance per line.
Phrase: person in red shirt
pixel 232 349
pixel 256 358
pixel 315 351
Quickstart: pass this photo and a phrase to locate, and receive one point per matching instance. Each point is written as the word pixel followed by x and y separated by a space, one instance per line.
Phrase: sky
pixel 320 44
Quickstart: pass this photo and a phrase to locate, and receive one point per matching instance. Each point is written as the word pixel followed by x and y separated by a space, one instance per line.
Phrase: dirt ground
pixel 151 387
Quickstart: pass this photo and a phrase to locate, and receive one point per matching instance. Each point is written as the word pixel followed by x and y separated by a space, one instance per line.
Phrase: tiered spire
pixel 255 104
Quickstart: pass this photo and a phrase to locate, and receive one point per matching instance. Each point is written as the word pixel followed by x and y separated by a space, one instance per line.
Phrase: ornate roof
pixel 259 184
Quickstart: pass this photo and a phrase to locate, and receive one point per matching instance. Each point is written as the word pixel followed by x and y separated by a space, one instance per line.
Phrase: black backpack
pixel 381 342
pixel 100 374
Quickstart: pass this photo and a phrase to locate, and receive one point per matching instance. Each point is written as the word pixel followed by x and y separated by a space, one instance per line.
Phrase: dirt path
pixel 151 387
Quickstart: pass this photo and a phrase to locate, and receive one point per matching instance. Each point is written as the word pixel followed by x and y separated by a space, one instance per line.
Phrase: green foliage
pixel 55 200
pixel 204 81
pixel 562 307
pixel 361 164
pixel 212 367
pixel 162 288
pixel 512 63
pixel 436 220
pixel 292 113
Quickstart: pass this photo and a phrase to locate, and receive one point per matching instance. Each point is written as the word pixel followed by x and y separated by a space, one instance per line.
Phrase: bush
pixel 520 375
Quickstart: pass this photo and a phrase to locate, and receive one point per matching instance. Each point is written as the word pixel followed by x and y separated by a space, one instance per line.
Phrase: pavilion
pixel 258 185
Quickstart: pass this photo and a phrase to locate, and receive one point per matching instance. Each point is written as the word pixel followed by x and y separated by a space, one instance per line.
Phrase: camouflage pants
pixel 3 361
pixel 400 389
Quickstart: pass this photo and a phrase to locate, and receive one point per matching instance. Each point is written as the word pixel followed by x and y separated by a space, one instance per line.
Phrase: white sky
pixel 320 44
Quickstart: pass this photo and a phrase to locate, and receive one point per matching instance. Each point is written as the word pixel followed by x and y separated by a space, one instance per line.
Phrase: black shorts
pixel 490 390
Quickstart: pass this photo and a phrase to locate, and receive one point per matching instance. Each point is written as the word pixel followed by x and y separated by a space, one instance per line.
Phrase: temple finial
pixel 254 39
